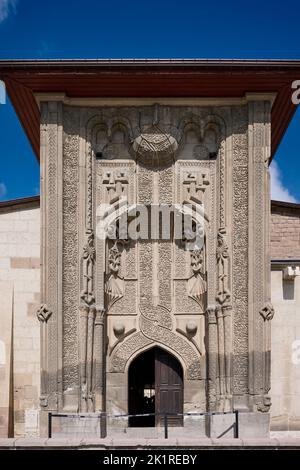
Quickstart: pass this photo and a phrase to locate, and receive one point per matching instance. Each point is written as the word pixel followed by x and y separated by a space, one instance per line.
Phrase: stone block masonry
pixel 285 232
pixel 20 366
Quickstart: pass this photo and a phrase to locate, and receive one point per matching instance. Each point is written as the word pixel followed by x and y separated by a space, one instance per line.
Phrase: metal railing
pixel 103 419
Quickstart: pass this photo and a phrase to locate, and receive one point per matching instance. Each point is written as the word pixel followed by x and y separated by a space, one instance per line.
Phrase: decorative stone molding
pixel 43 401
pixel 239 186
pixel 115 182
pixel 155 147
pixel 267 312
pixel 99 345
pixel 115 284
pixel 100 316
pixel 119 329
pixel 211 315
pixel 265 404
pixel 89 253
pixel 43 313
pixel 196 284
pixel 195 184
pixel 223 295
pixel 260 312
pixel 291 272
pixel 153 324
pixel 212 347
pixel 127 152
pixel 191 328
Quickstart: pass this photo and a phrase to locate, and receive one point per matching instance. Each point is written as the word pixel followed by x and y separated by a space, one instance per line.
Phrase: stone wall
pixel 285 387
pixel 285 231
pixel 20 330
pixel 285 284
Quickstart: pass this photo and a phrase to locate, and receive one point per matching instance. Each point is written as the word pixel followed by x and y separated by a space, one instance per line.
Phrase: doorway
pixel 155 385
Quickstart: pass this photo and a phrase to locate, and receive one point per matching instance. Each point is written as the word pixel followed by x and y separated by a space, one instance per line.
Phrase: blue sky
pixel 103 29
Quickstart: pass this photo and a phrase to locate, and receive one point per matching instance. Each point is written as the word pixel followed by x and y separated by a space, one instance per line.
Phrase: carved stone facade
pixel 111 300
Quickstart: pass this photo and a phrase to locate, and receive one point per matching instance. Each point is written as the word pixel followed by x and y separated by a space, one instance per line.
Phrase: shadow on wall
pixel 288 290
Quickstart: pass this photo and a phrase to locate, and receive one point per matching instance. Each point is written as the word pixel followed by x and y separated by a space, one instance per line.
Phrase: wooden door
pixel 168 387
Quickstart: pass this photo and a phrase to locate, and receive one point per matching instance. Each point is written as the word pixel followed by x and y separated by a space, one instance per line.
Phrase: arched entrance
pixel 155 385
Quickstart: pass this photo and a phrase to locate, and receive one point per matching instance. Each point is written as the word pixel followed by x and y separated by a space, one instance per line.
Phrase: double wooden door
pixel 168 388
pixel 156 386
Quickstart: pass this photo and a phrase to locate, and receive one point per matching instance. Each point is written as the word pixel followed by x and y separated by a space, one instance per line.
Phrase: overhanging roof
pixel 20 204
pixel 281 206
pixel 201 78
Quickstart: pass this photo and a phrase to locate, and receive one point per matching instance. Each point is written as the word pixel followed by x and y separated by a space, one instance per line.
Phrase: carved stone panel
pixel 200 292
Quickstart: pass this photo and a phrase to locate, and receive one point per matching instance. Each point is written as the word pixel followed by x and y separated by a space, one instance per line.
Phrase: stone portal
pixel 109 299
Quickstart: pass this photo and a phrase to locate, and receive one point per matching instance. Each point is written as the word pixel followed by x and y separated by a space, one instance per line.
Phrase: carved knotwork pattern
pixel 145 191
pixel 156 320
pixel 155 147
pixel 70 249
pixel 43 313
pixel 240 248
pixel 267 312
pixel 51 264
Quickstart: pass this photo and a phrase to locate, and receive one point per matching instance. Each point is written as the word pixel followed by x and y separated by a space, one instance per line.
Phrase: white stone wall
pixel 20 266
pixel 285 376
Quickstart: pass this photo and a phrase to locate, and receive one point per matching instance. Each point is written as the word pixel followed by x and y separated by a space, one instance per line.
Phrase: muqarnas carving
pixel 197 140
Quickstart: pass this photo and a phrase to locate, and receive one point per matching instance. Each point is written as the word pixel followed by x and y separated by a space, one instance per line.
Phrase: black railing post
pixel 166 426
pixel 236 427
pixel 50 425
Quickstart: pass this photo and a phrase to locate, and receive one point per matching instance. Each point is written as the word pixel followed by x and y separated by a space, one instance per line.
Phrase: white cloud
pixel 2 190
pixel 44 50
pixel 278 191
pixel 7 7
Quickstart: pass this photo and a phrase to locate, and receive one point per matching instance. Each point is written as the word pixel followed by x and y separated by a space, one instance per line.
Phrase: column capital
pixel 211 314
